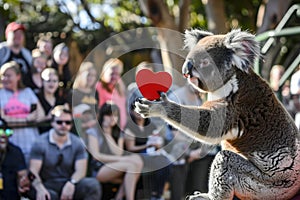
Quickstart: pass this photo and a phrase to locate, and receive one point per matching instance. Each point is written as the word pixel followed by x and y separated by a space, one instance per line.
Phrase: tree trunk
pixel 215 13
pixel 169 32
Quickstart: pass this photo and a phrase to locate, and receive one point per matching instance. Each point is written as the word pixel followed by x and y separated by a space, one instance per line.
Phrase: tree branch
pixel 184 6
pixel 87 10
pixel 158 12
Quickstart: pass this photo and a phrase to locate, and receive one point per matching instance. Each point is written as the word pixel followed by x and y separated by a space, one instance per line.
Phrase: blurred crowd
pixel 64 137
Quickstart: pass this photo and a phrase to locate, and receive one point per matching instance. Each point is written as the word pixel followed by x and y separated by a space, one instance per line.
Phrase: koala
pixel 260 156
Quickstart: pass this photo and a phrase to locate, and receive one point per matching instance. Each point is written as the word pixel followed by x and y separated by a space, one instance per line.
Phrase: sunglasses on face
pixel 6 132
pixel 60 122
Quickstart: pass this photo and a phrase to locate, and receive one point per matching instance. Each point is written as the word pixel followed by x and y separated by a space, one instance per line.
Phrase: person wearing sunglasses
pixel 59 161
pixel 13 172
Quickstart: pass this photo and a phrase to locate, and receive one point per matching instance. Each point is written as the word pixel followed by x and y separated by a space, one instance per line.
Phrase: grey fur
pixel 193 36
pixel 260 157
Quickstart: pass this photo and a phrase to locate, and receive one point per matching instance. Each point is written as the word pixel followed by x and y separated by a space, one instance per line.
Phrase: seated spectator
pixel 84 118
pixel 59 162
pixel 60 62
pixel 45 45
pixel 33 77
pixel 13 48
pixel 48 97
pixel 13 167
pixel 20 108
pixel 142 136
pixel 111 164
pixel 111 87
pixel 84 92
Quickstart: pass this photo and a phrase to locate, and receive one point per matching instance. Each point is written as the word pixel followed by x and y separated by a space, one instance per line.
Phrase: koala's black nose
pixel 187 68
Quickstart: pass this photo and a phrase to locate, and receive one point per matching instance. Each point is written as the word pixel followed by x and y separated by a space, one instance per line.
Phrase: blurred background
pixel 83 24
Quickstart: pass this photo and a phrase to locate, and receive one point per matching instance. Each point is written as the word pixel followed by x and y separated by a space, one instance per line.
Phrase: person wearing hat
pixel 13 172
pixel 13 48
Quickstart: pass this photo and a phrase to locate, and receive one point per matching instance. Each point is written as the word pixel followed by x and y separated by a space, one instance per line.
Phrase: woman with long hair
pixel 33 79
pixel 111 87
pixel 48 96
pixel 60 62
pixel 20 107
pixel 111 163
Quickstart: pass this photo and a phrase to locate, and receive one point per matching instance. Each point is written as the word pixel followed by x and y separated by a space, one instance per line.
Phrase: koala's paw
pixel 148 108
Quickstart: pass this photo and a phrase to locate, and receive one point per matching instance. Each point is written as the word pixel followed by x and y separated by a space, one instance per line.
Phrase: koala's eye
pixel 204 62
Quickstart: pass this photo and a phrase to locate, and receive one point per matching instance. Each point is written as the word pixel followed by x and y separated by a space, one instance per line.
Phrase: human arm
pixel 93 147
pixel 23 181
pixel 31 119
pixel 117 148
pixel 79 173
pixel 41 191
pixel 36 110
pixel 37 115
pixel 130 142
pixel 29 112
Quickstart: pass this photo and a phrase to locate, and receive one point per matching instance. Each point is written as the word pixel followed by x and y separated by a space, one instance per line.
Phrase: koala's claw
pixel 148 108
pixel 144 101
pixel 141 106
pixel 163 95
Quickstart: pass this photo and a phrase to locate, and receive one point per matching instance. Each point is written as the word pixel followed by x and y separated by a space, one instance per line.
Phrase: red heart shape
pixel 151 84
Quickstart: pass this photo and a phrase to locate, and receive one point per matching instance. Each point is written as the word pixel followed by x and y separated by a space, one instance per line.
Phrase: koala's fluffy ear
pixel 245 48
pixel 191 37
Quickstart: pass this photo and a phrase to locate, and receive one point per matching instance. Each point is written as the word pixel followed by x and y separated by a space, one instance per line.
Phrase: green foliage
pixel 242 14
pixel 91 21
pixel 197 17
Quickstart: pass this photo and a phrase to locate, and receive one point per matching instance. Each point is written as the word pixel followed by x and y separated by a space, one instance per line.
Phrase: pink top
pixel 115 97
pixel 16 108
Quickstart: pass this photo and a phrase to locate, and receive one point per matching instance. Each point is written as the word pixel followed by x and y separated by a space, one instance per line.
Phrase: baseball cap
pixel 14 26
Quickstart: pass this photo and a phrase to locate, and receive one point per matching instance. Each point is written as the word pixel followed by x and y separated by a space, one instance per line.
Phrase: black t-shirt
pixel 66 77
pixel 19 58
pixel 13 162
pixel 28 82
pixel 47 108
pixel 77 97
pixel 141 136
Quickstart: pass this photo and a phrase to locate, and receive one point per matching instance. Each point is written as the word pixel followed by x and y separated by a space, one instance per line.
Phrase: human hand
pixel 68 191
pixel 24 184
pixel 43 194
